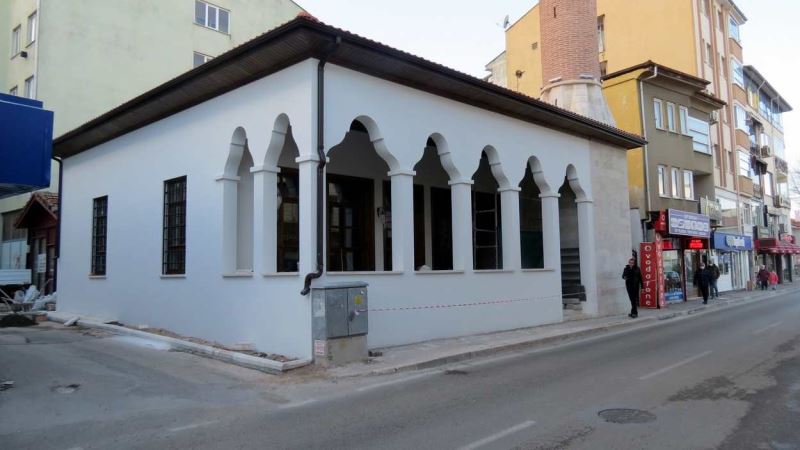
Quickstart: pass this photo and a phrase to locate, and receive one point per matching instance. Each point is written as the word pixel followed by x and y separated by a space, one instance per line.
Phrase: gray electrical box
pixel 340 321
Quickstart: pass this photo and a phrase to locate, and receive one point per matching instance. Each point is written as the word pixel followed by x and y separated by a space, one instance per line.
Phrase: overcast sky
pixel 467 35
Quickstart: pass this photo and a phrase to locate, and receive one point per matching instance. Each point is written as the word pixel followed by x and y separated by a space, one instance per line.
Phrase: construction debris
pixel 16 320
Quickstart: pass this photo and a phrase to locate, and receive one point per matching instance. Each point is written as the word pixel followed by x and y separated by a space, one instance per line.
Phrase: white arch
pixel 236 150
pixel 279 130
pixel 574 183
pixel 445 158
pixel 376 137
pixel 538 176
pixel 496 167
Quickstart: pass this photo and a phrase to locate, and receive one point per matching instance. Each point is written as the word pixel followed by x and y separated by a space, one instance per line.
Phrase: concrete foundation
pixel 335 352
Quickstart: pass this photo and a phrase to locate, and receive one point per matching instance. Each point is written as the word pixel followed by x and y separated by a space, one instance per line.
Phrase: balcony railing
pixel 781 166
pixel 758 192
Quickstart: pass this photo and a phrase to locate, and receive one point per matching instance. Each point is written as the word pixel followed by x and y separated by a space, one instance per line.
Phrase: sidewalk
pixel 444 351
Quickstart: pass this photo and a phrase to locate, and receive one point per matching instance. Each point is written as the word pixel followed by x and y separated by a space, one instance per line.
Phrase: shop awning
pixel 777 247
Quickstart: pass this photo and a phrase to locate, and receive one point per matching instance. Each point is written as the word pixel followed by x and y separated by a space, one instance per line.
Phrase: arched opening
pixel 288 207
pixel 487 245
pixel 237 208
pixel 433 216
pixel 530 222
pixel 358 203
pixel 244 214
pixel 571 284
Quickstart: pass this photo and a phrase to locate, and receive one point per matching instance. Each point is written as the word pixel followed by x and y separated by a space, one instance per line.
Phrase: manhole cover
pixel 455 372
pixel 67 389
pixel 626 415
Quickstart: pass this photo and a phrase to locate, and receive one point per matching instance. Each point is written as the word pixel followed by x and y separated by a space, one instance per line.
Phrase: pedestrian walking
pixel 763 278
pixel 773 280
pixel 714 269
pixel 633 282
pixel 702 279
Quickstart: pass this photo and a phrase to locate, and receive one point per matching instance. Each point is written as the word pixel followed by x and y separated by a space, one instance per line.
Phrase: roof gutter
pixel 321 164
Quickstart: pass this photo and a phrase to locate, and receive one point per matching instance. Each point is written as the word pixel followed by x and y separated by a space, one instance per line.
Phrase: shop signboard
pixel 682 223
pixel 652 294
pixel 732 242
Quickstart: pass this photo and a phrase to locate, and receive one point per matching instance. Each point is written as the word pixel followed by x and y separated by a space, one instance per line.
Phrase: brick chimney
pixel 570 66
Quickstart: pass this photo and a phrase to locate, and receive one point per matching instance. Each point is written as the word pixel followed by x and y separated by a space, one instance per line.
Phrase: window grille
pixel 174 251
pixel 99 235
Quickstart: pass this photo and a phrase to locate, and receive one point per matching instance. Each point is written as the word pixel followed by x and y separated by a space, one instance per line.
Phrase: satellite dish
pixel 505 22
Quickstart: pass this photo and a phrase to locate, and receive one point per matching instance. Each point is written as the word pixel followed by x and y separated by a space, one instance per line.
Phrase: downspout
pixel 322 158
pixel 644 135
pixel 58 226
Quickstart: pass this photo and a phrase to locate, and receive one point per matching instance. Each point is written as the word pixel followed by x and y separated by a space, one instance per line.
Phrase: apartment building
pixel 83 58
pixel 673 173
pixel 700 38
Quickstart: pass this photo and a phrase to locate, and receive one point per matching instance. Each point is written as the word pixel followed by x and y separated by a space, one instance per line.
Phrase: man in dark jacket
pixel 702 279
pixel 715 273
pixel 763 278
pixel 633 282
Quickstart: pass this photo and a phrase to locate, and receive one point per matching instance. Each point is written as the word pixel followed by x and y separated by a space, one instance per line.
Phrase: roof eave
pixel 309 43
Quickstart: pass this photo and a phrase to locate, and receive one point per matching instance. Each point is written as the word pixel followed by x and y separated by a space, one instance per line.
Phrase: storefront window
pixel 673 286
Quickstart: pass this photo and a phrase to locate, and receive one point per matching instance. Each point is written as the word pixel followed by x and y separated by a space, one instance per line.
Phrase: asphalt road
pixel 729 378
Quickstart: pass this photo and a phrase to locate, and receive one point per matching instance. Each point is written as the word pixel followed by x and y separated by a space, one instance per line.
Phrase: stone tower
pixel 570 66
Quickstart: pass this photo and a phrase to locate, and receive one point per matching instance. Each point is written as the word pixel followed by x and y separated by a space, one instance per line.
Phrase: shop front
pixel 777 254
pixel 685 243
pixel 729 251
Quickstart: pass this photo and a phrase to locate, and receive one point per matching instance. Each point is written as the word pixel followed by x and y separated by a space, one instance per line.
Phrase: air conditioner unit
pixel 714 118
pixel 766 151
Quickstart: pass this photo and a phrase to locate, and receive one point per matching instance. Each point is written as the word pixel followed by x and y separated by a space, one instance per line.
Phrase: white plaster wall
pixel 406 117
pixel 266 311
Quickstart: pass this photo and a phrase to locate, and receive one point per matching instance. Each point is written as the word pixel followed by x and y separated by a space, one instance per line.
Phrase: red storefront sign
pixel 696 244
pixel 652 266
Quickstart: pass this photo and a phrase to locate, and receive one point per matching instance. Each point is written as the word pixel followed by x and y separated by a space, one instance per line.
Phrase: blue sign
pixel 732 242
pixel 26 144
pixel 682 223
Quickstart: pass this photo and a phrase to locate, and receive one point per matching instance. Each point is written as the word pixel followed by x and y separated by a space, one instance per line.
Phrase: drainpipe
pixel 58 226
pixel 644 147
pixel 321 165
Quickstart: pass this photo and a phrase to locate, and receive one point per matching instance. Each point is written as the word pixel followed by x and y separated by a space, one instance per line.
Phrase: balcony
pixel 782 201
pixel 745 185
pixel 758 192
pixel 781 166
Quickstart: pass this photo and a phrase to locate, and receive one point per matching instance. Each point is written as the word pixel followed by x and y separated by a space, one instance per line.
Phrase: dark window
pixel 351 227
pixel 441 229
pixel 99 227
pixel 174 251
pixel 10 232
pixel 288 221
pixel 530 220
pixel 486 231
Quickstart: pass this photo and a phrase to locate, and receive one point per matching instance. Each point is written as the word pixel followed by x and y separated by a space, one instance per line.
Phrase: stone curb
pixel 533 342
pixel 239 359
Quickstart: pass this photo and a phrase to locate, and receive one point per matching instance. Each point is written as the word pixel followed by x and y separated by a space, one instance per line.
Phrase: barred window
pixel 99 236
pixel 174 252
